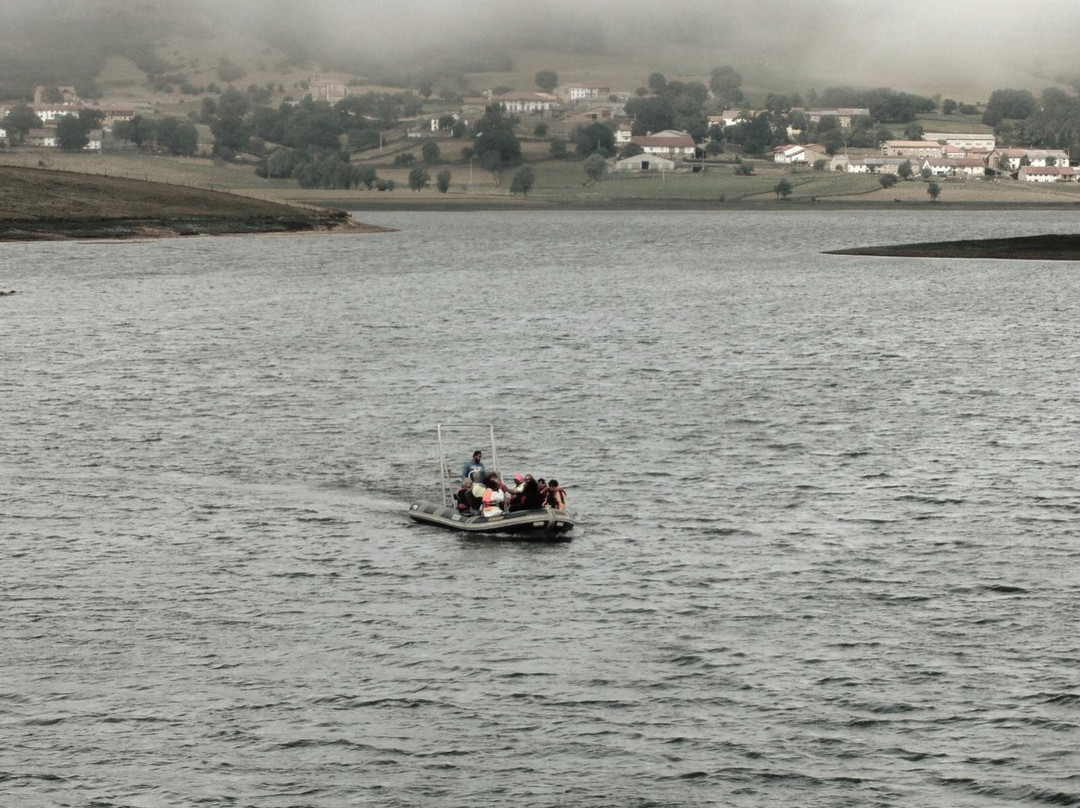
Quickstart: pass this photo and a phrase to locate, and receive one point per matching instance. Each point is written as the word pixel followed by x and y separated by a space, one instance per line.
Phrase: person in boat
pixel 517 492
pixel 493 498
pixel 531 499
pixel 475 464
pixel 464 499
pixel 556 496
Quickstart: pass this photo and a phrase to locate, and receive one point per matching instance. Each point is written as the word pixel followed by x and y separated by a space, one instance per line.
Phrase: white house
pixel 97 138
pixel 1047 174
pixel 582 92
pixel 42 137
pixel 3 133
pixel 802 155
pixel 668 143
pixel 964 140
pixel 623 133
pixel 1047 157
pixel 730 117
pixel 1006 159
pixel 876 165
pixel 845 114
pixel 965 168
pixel 534 103
pixel 51 113
pixel 645 162
pixel 786 155
pixel 912 148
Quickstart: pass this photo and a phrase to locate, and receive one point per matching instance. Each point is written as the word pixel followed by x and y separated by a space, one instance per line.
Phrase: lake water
pixel 827 552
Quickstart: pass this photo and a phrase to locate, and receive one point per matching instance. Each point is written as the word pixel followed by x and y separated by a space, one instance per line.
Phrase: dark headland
pixel 1055 247
pixel 38 204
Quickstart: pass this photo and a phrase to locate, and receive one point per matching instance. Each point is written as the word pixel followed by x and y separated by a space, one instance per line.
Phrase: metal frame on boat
pixel 538 524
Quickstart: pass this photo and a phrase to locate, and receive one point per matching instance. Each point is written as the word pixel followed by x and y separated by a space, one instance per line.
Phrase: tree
pixel 726 85
pixel 229 71
pixel 179 137
pixel 948 106
pixel 632 150
pixel 495 133
pixel 523 181
pixel 367 175
pixel 21 119
pixel 926 173
pixel 229 127
pixel 594 138
pixel 442 181
pixel 914 131
pixel 887 180
pixel 558 148
pixel 783 188
pixel 657 82
pixel 53 95
pixel 744 170
pixel 541 129
pixel 419 178
pixel 547 80
pixel 491 161
pixel 594 166
pixel 934 190
pixel 650 114
pixel 905 171
pixel 72 133
pixel 1015 104
pixel 430 151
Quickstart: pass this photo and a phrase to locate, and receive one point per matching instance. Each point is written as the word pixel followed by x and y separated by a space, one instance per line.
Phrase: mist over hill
pixel 918 44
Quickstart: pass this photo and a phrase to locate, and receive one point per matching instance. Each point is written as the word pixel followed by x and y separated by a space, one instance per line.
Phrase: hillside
pixel 41 204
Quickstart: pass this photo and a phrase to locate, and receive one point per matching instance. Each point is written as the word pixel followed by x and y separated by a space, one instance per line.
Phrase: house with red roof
pixel 670 143
pixel 1047 174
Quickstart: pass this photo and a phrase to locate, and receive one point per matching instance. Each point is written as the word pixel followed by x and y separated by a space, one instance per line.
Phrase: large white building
pixel 535 103
pixel 1047 174
pixel 583 92
pixel 964 140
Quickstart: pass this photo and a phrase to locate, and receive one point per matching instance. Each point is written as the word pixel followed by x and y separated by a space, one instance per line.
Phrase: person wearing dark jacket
pixel 531 498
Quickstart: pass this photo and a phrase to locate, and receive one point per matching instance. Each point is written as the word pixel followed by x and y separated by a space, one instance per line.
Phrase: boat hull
pixel 541 524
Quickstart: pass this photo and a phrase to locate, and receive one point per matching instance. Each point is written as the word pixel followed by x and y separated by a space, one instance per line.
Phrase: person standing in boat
pixel 476 464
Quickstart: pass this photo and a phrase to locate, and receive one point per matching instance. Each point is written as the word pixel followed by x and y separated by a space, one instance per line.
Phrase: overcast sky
pixel 858 40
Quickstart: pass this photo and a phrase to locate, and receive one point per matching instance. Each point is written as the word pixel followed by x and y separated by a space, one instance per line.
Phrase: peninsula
pixel 1050 247
pixel 38 204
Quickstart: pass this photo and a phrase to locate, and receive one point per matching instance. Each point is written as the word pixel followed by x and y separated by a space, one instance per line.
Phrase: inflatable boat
pixel 541 524
pixel 537 524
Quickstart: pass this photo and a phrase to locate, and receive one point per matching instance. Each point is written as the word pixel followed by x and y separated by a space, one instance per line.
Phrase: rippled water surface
pixel 827 552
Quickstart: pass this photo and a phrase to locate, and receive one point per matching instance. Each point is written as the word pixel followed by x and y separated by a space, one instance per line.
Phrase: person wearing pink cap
pixel 517 492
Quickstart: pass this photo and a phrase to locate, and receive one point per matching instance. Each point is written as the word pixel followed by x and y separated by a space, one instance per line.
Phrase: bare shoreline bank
pixel 1050 247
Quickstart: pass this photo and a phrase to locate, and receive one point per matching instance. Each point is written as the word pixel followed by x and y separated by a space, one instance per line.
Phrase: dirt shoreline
pixel 122 229
pixel 1050 247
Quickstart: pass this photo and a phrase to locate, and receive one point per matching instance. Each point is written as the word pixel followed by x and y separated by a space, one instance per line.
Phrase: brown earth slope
pixel 41 204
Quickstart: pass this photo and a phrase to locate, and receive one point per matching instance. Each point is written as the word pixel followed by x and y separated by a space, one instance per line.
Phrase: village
pixel 555 116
